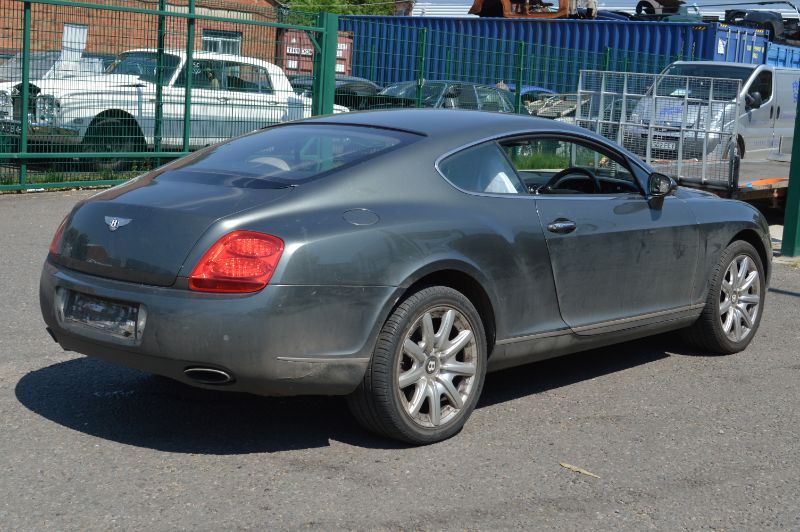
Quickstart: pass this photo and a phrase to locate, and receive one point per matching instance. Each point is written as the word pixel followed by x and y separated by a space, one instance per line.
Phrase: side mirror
pixel 660 185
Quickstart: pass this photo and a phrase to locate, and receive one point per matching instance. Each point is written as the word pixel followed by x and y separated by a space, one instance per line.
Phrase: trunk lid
pixel 143 231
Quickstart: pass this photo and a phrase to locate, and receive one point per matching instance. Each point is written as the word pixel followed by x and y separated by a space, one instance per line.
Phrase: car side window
pixel 483 168
pixel 762 85
pixel 205 75
pixel 241 77
pixel 489 99
pixel 555 165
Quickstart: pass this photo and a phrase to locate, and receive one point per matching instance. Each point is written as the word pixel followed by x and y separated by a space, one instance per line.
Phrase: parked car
pixel 764 109
pixel 115 111
pixel 349 89
pixel 441 94
pixel 51 65
pixel 531 93
pixel 396 257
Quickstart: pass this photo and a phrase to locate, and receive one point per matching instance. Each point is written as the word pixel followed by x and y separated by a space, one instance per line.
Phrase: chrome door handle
pixel 562 226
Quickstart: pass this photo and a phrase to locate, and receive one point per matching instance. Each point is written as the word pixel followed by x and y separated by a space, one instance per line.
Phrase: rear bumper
pixel 284 340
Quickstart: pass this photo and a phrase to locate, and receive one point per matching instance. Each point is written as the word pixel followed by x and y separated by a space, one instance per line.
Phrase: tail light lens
pixel 241 261
pixel 56 242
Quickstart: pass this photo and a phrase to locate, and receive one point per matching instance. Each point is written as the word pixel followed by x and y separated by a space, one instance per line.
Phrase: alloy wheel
pixel 437 367
pixel 740 298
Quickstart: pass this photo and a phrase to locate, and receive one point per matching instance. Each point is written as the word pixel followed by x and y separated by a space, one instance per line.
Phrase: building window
pixel 222 42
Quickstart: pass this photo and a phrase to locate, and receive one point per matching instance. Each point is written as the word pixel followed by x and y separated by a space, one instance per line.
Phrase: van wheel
pixel 427 370
pixel 112 135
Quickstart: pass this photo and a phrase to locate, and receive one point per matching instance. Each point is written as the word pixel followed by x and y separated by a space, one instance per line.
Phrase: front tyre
pixel 427 371
pixel 735 302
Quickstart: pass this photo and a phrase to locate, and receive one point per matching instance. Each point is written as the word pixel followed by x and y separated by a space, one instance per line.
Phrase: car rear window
pixel 286 155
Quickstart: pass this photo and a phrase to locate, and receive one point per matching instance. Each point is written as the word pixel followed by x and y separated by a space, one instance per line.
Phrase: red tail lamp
pixel 241 261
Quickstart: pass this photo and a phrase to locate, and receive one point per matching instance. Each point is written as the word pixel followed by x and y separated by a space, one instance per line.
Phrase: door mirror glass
pixel 661 185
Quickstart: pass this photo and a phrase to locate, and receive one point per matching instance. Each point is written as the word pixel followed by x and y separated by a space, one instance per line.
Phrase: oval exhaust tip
pixel 208 375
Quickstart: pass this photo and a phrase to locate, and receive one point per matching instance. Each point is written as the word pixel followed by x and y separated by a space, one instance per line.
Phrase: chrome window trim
pixel 527 132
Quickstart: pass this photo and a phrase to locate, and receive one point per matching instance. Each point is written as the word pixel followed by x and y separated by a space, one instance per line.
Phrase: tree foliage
pixel 344 7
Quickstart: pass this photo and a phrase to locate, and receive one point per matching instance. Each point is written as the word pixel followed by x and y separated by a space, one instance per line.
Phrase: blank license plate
pixel 112 317
pixel 661 145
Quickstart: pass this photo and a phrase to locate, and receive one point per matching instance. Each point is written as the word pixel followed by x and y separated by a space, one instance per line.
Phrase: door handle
pixel 771 110
pixel 778 115
pixel 562 226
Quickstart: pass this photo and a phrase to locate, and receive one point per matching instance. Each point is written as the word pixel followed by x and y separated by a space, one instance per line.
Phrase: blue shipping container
pixel 782 55
pixel 487 50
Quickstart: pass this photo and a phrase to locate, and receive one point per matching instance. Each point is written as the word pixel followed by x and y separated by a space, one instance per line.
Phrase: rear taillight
pixel 56 243
pixel 241 261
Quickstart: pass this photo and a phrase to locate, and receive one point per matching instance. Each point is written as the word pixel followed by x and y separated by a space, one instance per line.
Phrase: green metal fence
pixel 96 93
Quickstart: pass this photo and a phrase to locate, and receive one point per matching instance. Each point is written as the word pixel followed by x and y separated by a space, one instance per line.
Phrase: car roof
pixel 454 123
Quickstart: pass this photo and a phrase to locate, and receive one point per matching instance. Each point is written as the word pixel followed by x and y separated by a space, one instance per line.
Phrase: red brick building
pixel 111 32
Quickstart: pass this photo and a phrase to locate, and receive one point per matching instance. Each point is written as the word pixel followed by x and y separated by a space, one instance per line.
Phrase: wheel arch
pixel 459 276
pixel 751 237
pixel 127 119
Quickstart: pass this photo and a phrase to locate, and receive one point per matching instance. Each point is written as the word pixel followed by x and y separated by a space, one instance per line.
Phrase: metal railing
pixel 67 121
pixel 683 126
pixel 96 93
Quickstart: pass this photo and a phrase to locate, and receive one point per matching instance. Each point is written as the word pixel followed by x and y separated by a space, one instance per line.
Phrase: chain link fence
pixel 93 93
pixel 683 126
pixel 98 93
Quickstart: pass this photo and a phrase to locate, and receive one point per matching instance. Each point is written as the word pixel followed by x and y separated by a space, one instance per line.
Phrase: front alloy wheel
pixel 734 304
pixel 740 298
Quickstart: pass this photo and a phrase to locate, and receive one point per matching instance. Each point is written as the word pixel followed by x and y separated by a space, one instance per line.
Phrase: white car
pixel 115 111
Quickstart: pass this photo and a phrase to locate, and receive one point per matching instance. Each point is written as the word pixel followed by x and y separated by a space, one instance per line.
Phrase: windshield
pixel 285 155
pixel 431 91
pixel 143 65
pixel 41 63
pixel 699 84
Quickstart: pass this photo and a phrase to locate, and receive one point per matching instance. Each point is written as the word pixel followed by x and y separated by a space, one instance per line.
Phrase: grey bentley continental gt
pixel 396 257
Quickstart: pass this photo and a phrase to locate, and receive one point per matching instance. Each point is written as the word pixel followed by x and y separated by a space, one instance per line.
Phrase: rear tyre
pixel 427 370
pixel 734 304
pixel 112 135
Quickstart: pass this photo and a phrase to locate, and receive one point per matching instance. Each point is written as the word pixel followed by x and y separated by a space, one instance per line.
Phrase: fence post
pixel 189 69
pixel 159 111
pixel 422 49
pixel 790 247
pixel 607 59
pixel 519 75
pixel 25 96
pixel 324 87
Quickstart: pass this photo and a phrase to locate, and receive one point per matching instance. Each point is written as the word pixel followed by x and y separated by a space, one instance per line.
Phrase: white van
pixel 766 105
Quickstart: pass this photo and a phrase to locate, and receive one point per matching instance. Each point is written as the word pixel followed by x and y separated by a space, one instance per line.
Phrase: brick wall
pixel 111 32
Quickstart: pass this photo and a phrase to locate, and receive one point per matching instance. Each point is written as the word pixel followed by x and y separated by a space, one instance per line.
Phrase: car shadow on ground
pixel 134 408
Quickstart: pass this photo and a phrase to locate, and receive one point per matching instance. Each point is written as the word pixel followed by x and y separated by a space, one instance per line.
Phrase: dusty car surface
pixel 396 257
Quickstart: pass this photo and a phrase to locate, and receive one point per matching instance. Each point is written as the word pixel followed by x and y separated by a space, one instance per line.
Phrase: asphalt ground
pixel 678 439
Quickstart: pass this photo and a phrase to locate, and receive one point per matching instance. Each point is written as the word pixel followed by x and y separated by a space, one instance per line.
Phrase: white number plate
pixel 662 145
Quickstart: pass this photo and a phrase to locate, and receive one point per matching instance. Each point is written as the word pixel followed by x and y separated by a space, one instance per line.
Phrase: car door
pixel 614 255
pixel 253 100
pixel 758 122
